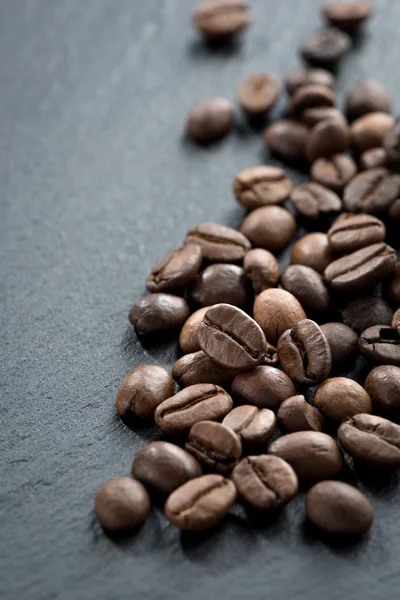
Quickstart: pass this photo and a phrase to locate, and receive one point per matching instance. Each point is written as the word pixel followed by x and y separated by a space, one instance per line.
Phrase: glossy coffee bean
pixel 312 250
pixel 162 467
pixel 265 482
pixel 201 402
pixel 158 312
pixel 343 341
pixel 369 130
pixel 175 271
pixel 287 139
pixel 196 367
pixel 260 186
pixel 328 137
pixel 311 96
pixel 371 439
pixel 371 191
pixel 396 321
pixel 210 120
pixel 334 172
pixel 392 285
pixel 218 20
pixel 308 287
pixel 351 232
pixel 275 311
pixel 143 390
pixel 295 414
pixel 122 504
pixel 365 311
pixel 200 503
pixel 188 339
pixel 296 79
pixel 262 268
pixel 383 386
pixel 391 145
pixel 254 426
pixel 269 227
pixel 218 243
pixel 348 16
pixel 257 94
pixel 221 283
pixel 372 159
pixel 339 398
pixel 313 116
pixel 215 446
pixel 314 201
pixel 365 97
pixel 326 47
pixel 264 387
pixel 271 355
pixel 381 345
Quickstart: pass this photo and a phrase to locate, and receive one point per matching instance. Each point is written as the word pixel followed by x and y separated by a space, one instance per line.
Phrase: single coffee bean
pixel 310 96
pixel 296 79
pixel 158 312
pixel 200 503
pixel 313 116
pixel 391 145
pixel 122 504
pixel 339 508
pixel 371 439
pixel 328 137
pixel 366 311
pixel 262 268
pixel 383 386
pixel 231 338
pixel 218 243
pixel 210 120
pixel 218 20
pixel 269 227
pixel 348 16
pixel 265 482
pixel 380 344
pixel 260 186
pixel 308 287
pixel 265 387
pixel 339 398
pixel 365 97
pixel 392 285
pixel 305 354
pixel 201 402
pixel 215 446
pixel 313 455
pixel 188 339
pixel 221 283
pixel 287 139
pixel 143 390
pixel 196 367
pixel 175 271
pixel 396 321
pixel 275 311
pixel 315 201
pixel 362 269
pixel 257 94
pixel 254 426
pixel 162 467
pixel 312 250
pixel 351 232
pixel 334 172
pixel 295 414
pixel 271 355
pixel 326 47
pixel 372 159
pixel 343 341
pixel 369 130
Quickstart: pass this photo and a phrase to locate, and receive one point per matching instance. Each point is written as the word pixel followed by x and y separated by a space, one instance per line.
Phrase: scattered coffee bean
pixel 215 446
pixel 312 250
pixel 143 390
pixel 334 172
pixel 392 286
pixel 262 268
pixel 265 387
pixel 158 312
pixel 310 96
pixel 315 201
pixel 366 311
pixel 122 504
pixel 218 20
pixel 343 341
pixel 351 232
pixel 380 344
pixel 394 210
pixel 308 287
pixel 254 426
pixel 271 356
pixel 371 191
pixel 369 130
pixel 269 227
pixel 188 339
pixel 297 79
pixel 313 116
pixel 396 321
pixel 339 398
pixel 328 137
pixel 347 15
pixel 218 243
pixel 383 386
pixel 365 97
pixel 372 159
pixel 326 47
pixel 287 139
pixel 196 367
pixel 210 120
pixel 260 186
pixel 275 311
pixel 221 283
pixel 257 94
pixel 295 414
pixel 175 271
pixel 391 145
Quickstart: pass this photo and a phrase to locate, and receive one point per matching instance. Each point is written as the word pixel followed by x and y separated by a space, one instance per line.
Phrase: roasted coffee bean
pixel 269 227
pixel 314 201
pixel 188 339
pixel 254 426
pixel 287 139
pixel 371 191
pixel 122 504
pixel 201 402
pixel 372 159
pixel 334 172
pixel 347 15
pixel 296 79
pixel 392 286
pixel 265 482
pixel 210 120
pixel 257 94
pixel 310 96
pixel 262 268
pixel 158 312
pixel 371 439
pixel 260 186
pixel 396 321
pixel 221 19
pixel 218 243
pixel 328 137
pixel 221 283
pixel 351 232
pixel 394 210
pixel 275 311
pixel 143 390
pixel 391 145
pixel 196 367
pixel 313 455
pixel 175 271
pixel 365 97
pixel 215 446
pixel 313 116
pixel 380 344
pixel 369 130
pixel 366 311
pixel 162 467
pixel 308 287
pixel 295 414
pixel 271 355
pixel 339 508
pixel 312 250
pixel 265 387
pixel 200 503
pixel 383 386
pixel 343 341
pixel 231 338
pixel 304 353
pixel 362 269
pixel 339 398
pixel 326 47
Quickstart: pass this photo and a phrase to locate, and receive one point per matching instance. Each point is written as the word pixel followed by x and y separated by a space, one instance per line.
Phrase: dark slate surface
pixel 96 184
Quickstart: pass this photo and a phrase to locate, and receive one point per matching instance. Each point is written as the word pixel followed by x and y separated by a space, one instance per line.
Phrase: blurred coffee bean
pixel 221 283
pixel 396 321
pixel 391 145
pixel 313 116
pixel 269 227
pixel 310 96
pixel 277 310
pixel 366 311
pixel 257 94
pixel 314 201
pixel 334 172
pixel 351 232
pixel 331 136
pixel 365 97
pixel 260 186
pixel 326 47
pixel 391 288
pixel 221 19
pixel 287 139
pixel 262 268
pixel 210 120
pixel 297 79
pixel 372 159
pixel 371 191
pixel 312 250
pixel 394 210
pixel 369 131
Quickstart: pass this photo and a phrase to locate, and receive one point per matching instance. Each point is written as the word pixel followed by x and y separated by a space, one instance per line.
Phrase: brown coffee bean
pixel 326 47
pixel 351 232
pixel 369 130
pixel 221 19
pixel 201 402
pixel 312 250
pixel 313 455
pixel 334 172
pixel 365 97
pixel 271 356
pixel 391 145
pixel 269 227
pixel 175 271
pixel 210 120
pixel 366 311
pixel 343 341
pixel 143 390
pixel 339 398
pixel 315 201
pixel 296 79
pixel 158 312
pixel 221 283
pixel 265 482
pixel 313 116
pixel 380 344
pixel 215 446
pixel 122 504
pixel 262 268
pixel 339 508
pixel 218 243
pixel 383 386
pixel 265 387
pixel 275 311
pixel 287 139
pixel 308 287
pixel 162 467
pixel 347 15
pixel 188 339
pixel 196 367
pixel 396 321
pixel 257 94
pixel 328 137
pixel 295 414
pixel 372 159
pixel 253 425
pixel 311 96
pixel 200 503
pixel 392 285
pixel 394 210
pixel 260 186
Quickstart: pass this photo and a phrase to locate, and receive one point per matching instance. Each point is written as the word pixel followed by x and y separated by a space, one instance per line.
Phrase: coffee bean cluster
pixel 254 339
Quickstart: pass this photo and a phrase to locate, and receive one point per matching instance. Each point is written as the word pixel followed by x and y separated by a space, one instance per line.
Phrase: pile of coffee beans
pixel 256 340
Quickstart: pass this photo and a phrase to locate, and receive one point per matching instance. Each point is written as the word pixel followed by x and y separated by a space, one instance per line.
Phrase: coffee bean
pixel 339 508
pixel 218 243
pixel 257 94
pixel 215 446
pixel 365 97
pixel 394 210
pixel 310 96
pixel 334 172
pixel 221 283
pixel 369 130
pixel 175 271
pixel 328 137
pixel 265 482
pixel 200 503
pixel 347 15
pixel 231 338
pixel 362 269
pixel 210 120
pixel 371 439
pixel 339 398
pixel 204 401
pixel 262 268
pixel 396 321
pixel 312 250
pixel 343 341
pixel 313 116
pixel 372 159
pixel 392 285
pixel 269 227
pixel 218 20
pixel 351 232
pixel 275 311
pixel 383 386
pixel 380 344
pixel 366 311
pixel 196 367
pixel 296 79
pixel 326 47
pixel 295 414
pixel 143 390
pixel 391 145
pixel 253 425
pixel 260 186
pixel 122 504
pixel 271 356
pixel 308 287
pixel 188 339
pixel 265 387
pixel 162 467
pixel 304 353
pixel 287 139
pixel 314 201
pixel 158 312
pixel 313 455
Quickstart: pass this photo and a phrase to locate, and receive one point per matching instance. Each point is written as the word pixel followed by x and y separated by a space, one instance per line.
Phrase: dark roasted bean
pixel 365 97
pixel 217 19
pixel 210 120
pixel 275 311
pixel 392 286
pixel 328 137
pixel 380 344
pixel 311 96
pixel 158 312
pixel 313 116
pixel 295 414
pixel 351 232
pixel 188 339
pixel 269 227
pixel 371 191
pixel 391 144
pixel 196 367
pixel 348 16
pixel 257 94
pixel 219 243
pixel 326 47
pixel 315 201
pixel 369 130
pixel 122 504
pixel 366 311
pixel 343 341
pixel 143 390
pixel 297 79
pixel 334 172
pixel 254 426
pixel 175 271
pixel 262 268
pixel 265 387
pixel 287 139
pixel 371 439
pixel 308 287
pixel 394 210
pixel 260 186
pixel 312 250
pixel 339 398
pixel 215 446
pixel 383 386
pixel 221 283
